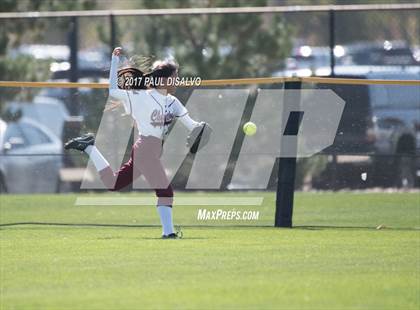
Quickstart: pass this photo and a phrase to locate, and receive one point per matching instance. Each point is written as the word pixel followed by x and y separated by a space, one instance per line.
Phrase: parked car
pixel 380 121
pixel 59 53
pixel 48 111
pixel 304 60
pixel 72 96
pixel 30 157
pixel 387 53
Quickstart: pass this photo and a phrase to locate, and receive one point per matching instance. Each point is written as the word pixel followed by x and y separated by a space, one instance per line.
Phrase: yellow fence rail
pixel 247 81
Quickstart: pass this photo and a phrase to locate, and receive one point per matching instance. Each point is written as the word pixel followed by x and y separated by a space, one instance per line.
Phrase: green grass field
pixel 333 259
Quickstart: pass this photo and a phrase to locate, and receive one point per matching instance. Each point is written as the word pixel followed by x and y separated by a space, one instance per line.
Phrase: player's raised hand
pixel 117 51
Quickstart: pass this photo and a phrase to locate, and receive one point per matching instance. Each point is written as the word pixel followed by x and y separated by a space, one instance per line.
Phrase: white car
pixel 47 111
pixel 30 158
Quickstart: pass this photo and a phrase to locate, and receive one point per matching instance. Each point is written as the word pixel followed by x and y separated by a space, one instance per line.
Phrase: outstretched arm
pixel 188 122
pixel 114 91
pixel 113 77
pixel 182 114
pixel 113 72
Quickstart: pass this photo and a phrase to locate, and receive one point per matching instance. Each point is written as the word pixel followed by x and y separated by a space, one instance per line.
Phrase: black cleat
pixel 176 235
pixel 80 143
pixel 171 236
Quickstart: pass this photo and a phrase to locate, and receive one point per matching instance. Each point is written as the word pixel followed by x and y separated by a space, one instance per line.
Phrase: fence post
pixel 331 15
pixel 287 166
pixel 74 67
pixel 112 32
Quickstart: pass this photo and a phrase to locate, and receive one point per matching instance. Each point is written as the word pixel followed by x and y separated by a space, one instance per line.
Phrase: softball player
pixel 153 110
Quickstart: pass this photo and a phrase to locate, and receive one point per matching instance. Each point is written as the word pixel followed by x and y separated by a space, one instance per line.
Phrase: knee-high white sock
pixel 98 160
pixel 165 213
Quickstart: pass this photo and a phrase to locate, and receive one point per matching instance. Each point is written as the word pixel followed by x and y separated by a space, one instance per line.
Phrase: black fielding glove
pixel 199 137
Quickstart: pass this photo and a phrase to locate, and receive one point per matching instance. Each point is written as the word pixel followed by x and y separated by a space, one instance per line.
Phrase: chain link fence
pixel 380 126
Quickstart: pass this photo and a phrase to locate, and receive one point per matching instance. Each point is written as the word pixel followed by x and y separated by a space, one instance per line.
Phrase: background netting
pixel 372 154
pixel 375 148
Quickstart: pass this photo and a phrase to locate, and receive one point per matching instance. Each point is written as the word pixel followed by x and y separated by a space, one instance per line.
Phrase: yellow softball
pixel 249 128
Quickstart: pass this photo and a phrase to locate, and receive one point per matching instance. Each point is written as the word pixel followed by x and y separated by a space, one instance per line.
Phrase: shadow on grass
pixel 326 227
pixel 227 226
pixel 4 225
pixel 183 238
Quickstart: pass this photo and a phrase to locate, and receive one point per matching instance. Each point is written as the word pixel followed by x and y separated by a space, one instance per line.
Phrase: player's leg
pixel 148 162
pixel 113 181
pixel 164 208
pixel 156 177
